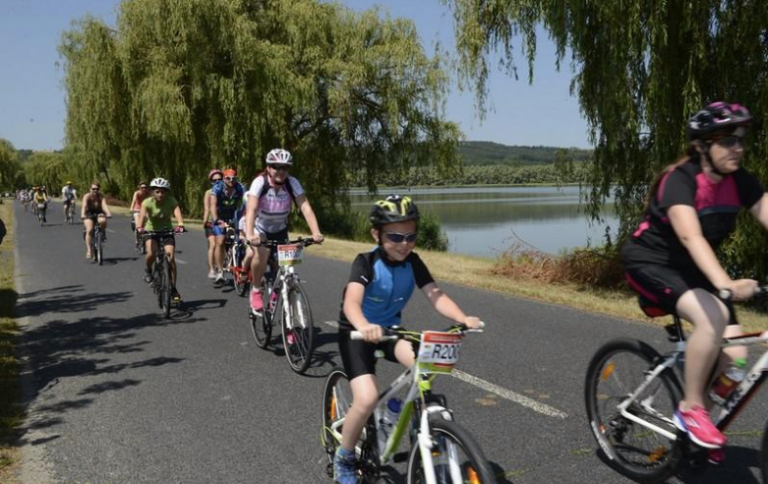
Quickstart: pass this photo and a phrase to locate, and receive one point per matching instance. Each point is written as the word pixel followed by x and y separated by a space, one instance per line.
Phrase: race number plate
pixel 289 255
pixel 438 352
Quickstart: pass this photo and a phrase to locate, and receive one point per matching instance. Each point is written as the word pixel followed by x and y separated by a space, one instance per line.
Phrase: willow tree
pixel 181 86
pixel 9 166
pixel 641 68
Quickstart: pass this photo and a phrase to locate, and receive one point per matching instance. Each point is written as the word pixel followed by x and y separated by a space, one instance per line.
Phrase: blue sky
pixel 32 106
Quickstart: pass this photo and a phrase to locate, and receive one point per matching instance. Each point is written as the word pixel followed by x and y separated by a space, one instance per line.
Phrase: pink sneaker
pixel 290 338
pixel 699 426
pixel 257 305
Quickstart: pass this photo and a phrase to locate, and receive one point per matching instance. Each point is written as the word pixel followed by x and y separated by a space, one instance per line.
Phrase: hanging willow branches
pixel 641 67
pixel 184 85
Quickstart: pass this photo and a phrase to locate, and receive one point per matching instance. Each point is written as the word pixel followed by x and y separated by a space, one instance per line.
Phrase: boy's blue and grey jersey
pixel 388 285
pixel 227 205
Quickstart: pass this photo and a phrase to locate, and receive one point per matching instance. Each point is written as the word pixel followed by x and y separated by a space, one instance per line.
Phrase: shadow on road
pixel 65 299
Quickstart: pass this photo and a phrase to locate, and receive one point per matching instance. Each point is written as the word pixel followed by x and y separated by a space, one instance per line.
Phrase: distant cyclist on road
pixel 40 197
pixel 139 196
pixel 670 259
pixel 226 201
pixel 155 215
pixel 68 197
pixel 380 285
pixel 271 196
pixel 215 176
pixel 94 209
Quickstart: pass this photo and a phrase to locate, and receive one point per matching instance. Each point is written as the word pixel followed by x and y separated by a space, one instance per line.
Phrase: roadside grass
pixel 11 413
pixel 527 282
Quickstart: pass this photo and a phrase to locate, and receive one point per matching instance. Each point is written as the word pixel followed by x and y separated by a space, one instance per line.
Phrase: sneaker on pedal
pixel 148 277
pixel 699 427
pixel 257 305
pixel 219 277
pixel 344 467
pixel 211 274
pixel 175 295
pixel 290 338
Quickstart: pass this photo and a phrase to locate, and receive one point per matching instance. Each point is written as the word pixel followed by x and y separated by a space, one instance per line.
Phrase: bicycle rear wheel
pixel 456 456
pixel 298 340
pixel 636 451
pixel 261 324
pixel 337 398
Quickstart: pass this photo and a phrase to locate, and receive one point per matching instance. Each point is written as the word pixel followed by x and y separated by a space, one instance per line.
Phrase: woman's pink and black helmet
pixel 717 117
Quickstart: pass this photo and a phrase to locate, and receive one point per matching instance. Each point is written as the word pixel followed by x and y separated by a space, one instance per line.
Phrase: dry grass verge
pixel 11 413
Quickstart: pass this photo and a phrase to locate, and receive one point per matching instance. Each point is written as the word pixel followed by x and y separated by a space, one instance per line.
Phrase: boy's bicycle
pixel 234 248
pixel 161 271
pixel 285 303
pixel 631 394
pixel 442 451
pixel 70 212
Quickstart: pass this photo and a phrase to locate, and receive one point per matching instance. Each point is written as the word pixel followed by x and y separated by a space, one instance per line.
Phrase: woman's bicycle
pixel 41 209
pixel 70 212
pixel 161 271
pixel 442 451
pixel 631 394
pixel 286 303
pixel 97 241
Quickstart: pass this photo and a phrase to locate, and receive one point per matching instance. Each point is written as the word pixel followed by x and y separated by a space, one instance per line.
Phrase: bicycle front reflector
pixel 473 479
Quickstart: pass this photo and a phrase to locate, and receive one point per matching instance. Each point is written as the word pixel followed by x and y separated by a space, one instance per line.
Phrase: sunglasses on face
pixel 730 141
pixel 279 167
pixel 216 180
pixel 143 188
pixel 94 189
pixel 230 178
pixel 398 238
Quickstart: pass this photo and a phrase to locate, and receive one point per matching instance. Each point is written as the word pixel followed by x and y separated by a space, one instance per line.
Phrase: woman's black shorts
pixel 664 286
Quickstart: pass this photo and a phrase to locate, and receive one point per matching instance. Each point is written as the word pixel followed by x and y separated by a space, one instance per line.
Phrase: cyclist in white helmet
pixel 271 195
pixel 155 215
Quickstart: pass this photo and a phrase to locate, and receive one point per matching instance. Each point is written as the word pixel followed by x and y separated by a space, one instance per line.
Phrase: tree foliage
pixel 9 165
pixel 181 86
pixel 641 68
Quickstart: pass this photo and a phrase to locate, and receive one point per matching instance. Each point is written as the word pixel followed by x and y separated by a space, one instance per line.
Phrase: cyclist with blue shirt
pixel 380 285
pixel 225 202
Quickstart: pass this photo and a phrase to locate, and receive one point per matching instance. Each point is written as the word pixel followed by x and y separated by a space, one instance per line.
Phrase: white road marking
pixel 180 261
pixel 502 392
pixel 510 395
pixel 111 231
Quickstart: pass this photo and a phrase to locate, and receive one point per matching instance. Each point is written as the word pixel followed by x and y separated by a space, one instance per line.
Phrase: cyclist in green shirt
pixel 155 215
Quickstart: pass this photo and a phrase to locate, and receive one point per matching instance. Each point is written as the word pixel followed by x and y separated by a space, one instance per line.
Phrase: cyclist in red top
pixel 670 258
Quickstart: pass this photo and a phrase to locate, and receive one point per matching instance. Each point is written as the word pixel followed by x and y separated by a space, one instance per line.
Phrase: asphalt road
pixel 117 394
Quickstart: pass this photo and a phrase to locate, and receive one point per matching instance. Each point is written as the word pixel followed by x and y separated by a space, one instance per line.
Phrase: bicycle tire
pixel 261 325
pixel 474 466
pixel 764 454
pixel 337 397
pixel 241 286
pixel 299 350
pixel 630 448
pixel 165 289
pixel 99 253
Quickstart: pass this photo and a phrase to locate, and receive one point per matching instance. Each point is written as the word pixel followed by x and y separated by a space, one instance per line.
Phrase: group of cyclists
pixel 670 259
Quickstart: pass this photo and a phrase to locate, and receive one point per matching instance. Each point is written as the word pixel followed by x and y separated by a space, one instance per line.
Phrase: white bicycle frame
pixel 755 377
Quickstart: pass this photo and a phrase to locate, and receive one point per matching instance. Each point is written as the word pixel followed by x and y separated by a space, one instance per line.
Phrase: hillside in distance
pixel 490 153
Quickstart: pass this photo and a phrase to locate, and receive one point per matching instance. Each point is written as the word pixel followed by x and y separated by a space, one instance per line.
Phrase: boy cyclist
pixel 380 285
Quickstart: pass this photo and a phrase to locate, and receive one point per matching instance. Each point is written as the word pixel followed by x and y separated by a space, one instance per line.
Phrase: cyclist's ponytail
pixel 691 154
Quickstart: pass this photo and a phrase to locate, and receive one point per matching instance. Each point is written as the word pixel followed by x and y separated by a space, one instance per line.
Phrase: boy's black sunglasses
pixel 398 238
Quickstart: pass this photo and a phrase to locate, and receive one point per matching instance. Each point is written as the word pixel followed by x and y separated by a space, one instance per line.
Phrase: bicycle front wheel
pixel 631 446
pixel 261 324
pixel 456 457
pixel 99 253
pixel 298 328
pixel 165 289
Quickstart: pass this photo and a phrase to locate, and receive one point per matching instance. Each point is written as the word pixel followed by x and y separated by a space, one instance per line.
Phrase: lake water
pixel 487 221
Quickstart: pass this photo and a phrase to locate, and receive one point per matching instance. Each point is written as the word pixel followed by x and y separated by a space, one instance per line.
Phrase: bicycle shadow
pixel 115 260
pixel 740 464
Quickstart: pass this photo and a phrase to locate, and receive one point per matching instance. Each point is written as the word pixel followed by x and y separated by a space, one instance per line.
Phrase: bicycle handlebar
pixel 727 294
pixel 306 242
pixel 398 333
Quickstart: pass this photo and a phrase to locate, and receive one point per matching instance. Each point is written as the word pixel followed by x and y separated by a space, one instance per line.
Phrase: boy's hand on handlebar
pixel 743 289
pixel 372 333
pixel 318 238
pixel 473 322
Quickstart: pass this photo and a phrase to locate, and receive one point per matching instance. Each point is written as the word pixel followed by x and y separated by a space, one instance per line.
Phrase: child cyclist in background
pixel 381 283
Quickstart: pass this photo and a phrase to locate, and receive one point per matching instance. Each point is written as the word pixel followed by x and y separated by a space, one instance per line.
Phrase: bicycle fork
pixel 426 446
